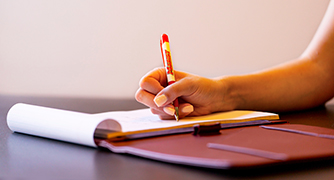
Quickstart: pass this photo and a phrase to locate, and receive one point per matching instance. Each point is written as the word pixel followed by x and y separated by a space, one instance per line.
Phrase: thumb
pixel 180 88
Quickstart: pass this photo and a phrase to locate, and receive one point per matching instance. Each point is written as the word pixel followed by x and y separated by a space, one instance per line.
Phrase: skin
pixel 302 83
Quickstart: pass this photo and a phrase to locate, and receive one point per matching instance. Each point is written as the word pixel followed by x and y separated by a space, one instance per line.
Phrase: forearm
pixel 299 85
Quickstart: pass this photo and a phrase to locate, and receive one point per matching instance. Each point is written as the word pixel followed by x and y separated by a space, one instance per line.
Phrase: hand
pixel 197 95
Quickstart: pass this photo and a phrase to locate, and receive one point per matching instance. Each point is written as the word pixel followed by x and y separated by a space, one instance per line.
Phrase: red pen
pixel 167 59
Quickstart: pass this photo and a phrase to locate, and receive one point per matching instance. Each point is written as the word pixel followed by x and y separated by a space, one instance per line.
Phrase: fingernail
pixel 160 100
pixel 188 109
pixel 169 110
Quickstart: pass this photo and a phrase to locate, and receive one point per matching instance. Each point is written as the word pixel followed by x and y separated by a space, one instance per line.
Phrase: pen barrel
pixel 176 102
pixel 167 58
pixel 171 82
pixel 170 79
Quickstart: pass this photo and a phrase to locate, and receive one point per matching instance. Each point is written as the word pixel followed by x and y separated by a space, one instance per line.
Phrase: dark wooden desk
pixel 29 157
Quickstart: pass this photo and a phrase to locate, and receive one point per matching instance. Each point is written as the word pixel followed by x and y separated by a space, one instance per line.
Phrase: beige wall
pixel 102 48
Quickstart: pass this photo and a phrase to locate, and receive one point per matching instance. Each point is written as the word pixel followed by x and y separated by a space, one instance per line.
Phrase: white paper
pixel 144 120
pixel 52 123
pixel 79 127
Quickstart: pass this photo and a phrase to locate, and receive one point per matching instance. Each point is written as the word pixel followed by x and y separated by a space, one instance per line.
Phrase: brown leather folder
pixel 235 147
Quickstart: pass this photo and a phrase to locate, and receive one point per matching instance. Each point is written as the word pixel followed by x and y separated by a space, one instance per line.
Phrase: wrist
pixel 228 96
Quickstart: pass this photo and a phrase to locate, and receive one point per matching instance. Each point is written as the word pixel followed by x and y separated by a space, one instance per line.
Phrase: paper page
pixel 144 120
pixel 52 123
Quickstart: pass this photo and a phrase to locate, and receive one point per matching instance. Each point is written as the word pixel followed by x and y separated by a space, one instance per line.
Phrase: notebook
pixel 82 128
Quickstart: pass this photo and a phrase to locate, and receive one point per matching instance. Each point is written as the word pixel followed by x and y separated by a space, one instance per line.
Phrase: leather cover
pixel 299 143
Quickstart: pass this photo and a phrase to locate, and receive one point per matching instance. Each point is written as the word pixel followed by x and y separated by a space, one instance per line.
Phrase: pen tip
pixel 177 113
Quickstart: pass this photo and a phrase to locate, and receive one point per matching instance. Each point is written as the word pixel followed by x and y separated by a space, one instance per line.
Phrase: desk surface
pixel 29 157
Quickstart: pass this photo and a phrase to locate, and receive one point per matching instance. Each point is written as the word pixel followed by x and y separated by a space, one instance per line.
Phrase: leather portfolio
pixel 239 147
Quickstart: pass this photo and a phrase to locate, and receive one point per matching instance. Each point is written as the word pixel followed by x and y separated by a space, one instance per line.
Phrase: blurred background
pixel 101 48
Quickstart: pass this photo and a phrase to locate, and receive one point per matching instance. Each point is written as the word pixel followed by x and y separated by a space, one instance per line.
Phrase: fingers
pixel 154 81
pixel 168 111
pixel 150 85
pixel 160 100
pixel 152 93
pixel 183 87
pixel 145 98
pixel 186 109
pixel 164 112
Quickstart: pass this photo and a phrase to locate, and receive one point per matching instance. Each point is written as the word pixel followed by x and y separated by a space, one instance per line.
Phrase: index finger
pixel 154 81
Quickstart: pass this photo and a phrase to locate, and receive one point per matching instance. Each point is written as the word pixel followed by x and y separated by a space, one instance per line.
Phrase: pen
pixel 167 59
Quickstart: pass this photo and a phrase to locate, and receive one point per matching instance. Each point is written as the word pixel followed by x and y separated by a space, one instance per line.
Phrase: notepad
pixel 81 128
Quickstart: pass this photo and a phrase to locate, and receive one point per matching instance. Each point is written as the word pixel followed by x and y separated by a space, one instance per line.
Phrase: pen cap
pixel 164 38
